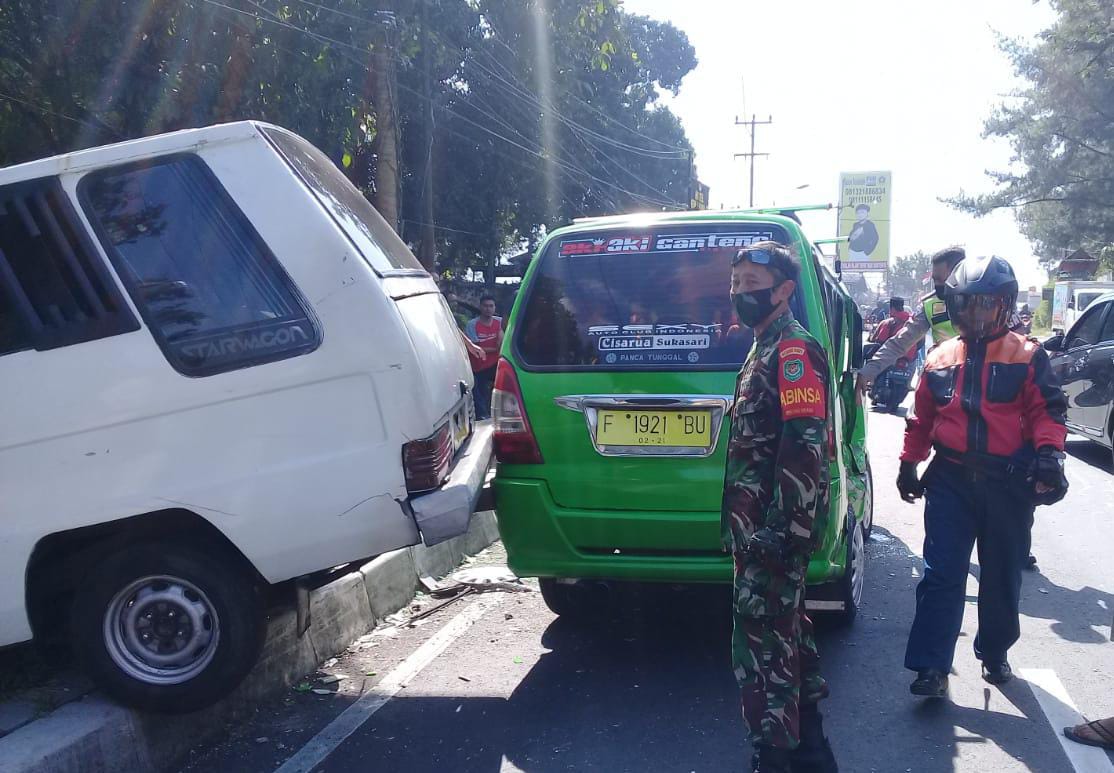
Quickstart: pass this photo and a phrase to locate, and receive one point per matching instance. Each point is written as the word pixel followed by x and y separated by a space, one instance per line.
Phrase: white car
pixel 219 369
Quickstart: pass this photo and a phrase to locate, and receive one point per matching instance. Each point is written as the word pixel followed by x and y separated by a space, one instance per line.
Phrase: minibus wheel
pixel 578 600
pixel 868 503
pixel 851 585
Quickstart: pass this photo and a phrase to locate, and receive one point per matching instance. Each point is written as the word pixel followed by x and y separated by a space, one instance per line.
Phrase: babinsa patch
pixel 800 391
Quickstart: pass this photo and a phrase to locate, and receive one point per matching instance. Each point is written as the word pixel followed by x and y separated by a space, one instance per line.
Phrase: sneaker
pixel 930 683
pixel 997 673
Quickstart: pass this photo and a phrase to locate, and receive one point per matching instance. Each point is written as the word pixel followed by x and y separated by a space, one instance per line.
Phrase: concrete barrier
pixel 95 735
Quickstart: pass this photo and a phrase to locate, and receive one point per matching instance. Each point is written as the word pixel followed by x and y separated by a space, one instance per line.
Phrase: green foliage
pixel 1042 319
pixel 905 277
pixel 542 111
pixel 1061 127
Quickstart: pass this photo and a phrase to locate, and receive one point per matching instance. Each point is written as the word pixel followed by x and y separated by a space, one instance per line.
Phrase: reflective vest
pixel 936 312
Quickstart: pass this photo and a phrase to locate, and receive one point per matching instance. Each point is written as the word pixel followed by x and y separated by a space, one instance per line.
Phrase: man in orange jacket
pixel 992 409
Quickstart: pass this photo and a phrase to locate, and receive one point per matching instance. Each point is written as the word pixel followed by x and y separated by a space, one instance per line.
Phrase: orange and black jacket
pixel 989 397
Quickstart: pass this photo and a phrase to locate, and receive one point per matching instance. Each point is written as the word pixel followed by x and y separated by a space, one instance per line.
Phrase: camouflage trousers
pixel 775 659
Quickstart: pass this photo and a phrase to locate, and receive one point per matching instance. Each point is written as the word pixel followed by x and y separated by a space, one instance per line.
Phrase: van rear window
pixel 212 293
pixel 639 299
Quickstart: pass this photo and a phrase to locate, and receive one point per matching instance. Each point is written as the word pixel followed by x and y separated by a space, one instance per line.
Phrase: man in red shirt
pixel 890 327
pixel 486 331
pixel 992 409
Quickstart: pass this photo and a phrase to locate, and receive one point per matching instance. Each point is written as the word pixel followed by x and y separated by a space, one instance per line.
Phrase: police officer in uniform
pixel 992 409
pixel 930 314
pixel 775 497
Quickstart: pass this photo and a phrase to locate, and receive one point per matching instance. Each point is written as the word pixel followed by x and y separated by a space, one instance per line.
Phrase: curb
pixel 96 735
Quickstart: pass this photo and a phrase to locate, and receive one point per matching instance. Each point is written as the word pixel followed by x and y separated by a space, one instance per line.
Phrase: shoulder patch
pixel 799 389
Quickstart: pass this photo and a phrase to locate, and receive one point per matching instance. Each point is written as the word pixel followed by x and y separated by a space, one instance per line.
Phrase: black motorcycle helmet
pixel 980 294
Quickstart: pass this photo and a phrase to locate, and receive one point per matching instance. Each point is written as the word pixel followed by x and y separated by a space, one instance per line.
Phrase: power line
pixel 48 111
pixel 442 227
pixel 539 153
pixel 596 152
pixel 523 92
pixel 527 96
pixel 587 104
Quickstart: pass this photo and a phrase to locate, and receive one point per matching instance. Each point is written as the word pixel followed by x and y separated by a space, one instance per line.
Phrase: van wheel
pixel 851 584
pixel 581 600
pixel 165 627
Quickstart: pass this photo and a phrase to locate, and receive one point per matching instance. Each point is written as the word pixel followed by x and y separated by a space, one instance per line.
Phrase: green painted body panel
pixel 569 516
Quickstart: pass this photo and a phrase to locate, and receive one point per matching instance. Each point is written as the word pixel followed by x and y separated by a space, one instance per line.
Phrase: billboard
pixel 864 220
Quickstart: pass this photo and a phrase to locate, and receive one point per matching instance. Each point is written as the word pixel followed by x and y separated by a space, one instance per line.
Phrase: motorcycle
pixel 891 387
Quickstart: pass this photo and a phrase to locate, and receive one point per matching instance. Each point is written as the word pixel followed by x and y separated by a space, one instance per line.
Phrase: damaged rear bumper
pixel 446 513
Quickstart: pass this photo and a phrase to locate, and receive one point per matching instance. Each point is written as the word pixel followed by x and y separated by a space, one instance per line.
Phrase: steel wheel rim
pixel 161 629
pixel 858 565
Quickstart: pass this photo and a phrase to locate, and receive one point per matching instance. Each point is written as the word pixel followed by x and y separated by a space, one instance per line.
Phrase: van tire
pixel 579 601
pixel 217 604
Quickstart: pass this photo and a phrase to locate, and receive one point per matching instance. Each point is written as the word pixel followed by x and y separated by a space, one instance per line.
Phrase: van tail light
pixel 514 440
pixel 426 462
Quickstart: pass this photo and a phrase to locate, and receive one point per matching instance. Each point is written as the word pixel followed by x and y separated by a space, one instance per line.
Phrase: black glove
pixel 908 484
pixel 1049 470
pixel 1050 467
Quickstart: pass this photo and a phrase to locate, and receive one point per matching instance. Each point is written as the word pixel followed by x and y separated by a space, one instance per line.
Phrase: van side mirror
pixel 857 341
pixel 1054 344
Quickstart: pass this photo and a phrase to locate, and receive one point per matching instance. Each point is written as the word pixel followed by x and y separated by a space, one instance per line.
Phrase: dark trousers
pixel 485 383
pixel 963 509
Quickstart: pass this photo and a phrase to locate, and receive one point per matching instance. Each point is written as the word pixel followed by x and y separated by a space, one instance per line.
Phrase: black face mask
pixel 940 288
pixel 754 307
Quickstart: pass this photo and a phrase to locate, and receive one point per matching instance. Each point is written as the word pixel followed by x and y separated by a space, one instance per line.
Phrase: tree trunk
pixel 386 118
pixel 427 249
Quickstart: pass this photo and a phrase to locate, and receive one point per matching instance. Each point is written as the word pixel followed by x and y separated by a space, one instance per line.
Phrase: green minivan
pixel 617 375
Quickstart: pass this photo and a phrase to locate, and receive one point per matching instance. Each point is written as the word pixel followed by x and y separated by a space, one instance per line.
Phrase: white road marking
pixel 332 735
pixel 1061 712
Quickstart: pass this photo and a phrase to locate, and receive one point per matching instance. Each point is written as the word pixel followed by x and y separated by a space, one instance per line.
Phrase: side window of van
pixel 214 296
pixel 54 288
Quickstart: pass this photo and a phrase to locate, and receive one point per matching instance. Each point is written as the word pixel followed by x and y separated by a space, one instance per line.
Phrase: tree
pixel 1061 128
pixel 542 111
pixel 905 278
pixel 557 121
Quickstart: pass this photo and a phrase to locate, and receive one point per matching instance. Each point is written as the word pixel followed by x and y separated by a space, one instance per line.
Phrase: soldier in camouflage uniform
pixel 774 501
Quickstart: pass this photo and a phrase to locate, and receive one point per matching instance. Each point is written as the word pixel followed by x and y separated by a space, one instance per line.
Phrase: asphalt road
pixel 516 689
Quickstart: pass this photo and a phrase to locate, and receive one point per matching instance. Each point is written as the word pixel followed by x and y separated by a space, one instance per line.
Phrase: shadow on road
pixel 1076 615
pixel 1090 453
pixel 652 690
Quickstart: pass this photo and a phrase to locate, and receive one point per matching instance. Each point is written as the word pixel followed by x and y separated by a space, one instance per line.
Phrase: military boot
pixel 814 754
pixel 770 759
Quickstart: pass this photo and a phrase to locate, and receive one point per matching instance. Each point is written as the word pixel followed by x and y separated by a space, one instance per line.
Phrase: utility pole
pixel 386 114
pixel 753 123
pixel 428 244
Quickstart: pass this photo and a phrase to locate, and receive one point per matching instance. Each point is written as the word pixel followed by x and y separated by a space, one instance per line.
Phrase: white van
pixel 219 369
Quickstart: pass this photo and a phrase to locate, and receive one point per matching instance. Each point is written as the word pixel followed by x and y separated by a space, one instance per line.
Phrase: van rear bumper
pixel 446 513
pixel 535 534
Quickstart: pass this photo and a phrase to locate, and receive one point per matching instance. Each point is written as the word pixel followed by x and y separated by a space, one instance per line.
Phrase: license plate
pixel 461 427
pixel 676 429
